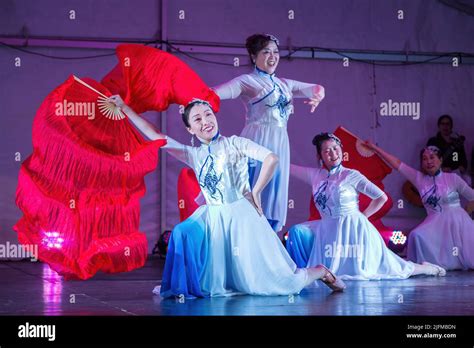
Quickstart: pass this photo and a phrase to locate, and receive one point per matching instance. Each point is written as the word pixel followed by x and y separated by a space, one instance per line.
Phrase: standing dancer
pixel 267 99
pixel 233 250
pixel 446 236
pixel 344 240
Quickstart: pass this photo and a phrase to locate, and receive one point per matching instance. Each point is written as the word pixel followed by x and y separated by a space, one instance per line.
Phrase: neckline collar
pixel 213 140
pixel 438 173
pixel 335 169
pixel 263 72
pixel 435 175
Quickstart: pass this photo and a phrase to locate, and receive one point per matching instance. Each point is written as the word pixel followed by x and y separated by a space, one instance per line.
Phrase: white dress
pixel 344 240
pixel 446 236
pixel 243 254
pixel 268 104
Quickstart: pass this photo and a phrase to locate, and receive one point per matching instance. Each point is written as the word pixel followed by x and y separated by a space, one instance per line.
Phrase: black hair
pixel 319 139
pixel 187 110
pixel 433 149
pixel 445 116
pixel 257 42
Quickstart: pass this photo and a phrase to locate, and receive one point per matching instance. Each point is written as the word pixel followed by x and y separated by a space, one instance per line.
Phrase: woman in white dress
pixel 344 240
pixel 446 236
pixel 268 103
pixel 227 247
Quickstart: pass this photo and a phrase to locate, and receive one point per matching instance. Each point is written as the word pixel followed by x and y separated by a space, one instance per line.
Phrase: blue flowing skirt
pixel 186 258
pixel 228 250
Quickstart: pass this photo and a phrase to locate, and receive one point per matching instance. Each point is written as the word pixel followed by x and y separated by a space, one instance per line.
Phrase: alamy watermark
pixel 67 108
pixel 19 251
pixel 344 250
pixel 28 330
pixel 405 109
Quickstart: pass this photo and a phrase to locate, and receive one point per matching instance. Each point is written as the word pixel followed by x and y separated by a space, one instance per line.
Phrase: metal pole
pixel 164 37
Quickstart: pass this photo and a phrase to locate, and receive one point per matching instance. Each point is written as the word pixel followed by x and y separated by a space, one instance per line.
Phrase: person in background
pixel 451 145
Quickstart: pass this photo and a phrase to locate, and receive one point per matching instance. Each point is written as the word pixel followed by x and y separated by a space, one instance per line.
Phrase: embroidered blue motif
pixel 433 199
pixel 281 103
pixel 210 180
pixel 320 198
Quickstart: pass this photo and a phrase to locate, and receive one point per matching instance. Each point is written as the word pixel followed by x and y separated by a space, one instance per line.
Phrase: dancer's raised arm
pixel 393 161
pixel 407 171
pixel 315 93
pixel 305 174
pixel 140 123
pixel 174 148
pixel 231 89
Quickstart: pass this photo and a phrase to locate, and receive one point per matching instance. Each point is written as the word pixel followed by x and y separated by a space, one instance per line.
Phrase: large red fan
pixel 150 79
pixel 80 189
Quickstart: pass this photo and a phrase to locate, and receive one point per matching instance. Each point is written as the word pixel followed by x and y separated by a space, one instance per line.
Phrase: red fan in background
pixel 188 191
pixel 370 165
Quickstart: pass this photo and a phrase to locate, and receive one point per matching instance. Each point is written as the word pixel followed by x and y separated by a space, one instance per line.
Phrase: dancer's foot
pixel 435 270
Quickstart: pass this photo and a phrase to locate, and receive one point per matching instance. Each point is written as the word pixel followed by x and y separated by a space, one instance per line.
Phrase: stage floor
pixel 30 288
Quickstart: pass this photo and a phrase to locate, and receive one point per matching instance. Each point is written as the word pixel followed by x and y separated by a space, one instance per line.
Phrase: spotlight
pixel 52 240
pixel 285 238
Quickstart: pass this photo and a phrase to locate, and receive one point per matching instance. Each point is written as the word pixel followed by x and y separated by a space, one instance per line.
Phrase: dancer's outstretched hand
pixel 370 145
pixel 314 102
pixel 117 100
pixel 140 123
pixel 316 99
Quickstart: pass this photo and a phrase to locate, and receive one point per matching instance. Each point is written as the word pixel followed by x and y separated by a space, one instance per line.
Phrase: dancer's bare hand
pixel 255 200
pixel 370 145
pixel 316 99
pixel 314 102
pixel 117 100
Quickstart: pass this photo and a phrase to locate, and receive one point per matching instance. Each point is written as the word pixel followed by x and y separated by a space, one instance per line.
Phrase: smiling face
pixel 430 162
pixel 202 122
pixel 331 153
pixel 267 58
